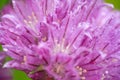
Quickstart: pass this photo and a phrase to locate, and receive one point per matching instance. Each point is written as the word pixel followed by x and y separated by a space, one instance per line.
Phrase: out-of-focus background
pixel 116 3
pixel 19 75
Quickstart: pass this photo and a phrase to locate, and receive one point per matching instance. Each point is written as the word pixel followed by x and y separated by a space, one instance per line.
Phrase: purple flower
pixel 62 68
pixel 62 39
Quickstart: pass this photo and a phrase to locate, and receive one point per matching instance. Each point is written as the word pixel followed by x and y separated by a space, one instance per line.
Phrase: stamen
pixel 44 39
pixel 60 47
pixel 25 21
pixel 58 69
pixel 114 60
pixel 34 17
pixel 83 78
pixel 30 24
pixel 30 17
pixel 84 71
pixel 81 72
pixel 106 72
pixel 80 69
pixel 24 58
pixel 103 77
pixel 32 20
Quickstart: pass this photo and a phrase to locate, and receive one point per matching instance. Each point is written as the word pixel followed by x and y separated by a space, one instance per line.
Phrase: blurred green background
pixel 3 3
pixel 116 3
pixel 20 75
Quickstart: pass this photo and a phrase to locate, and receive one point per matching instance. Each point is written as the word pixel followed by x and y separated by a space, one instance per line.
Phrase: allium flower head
pixel 62 39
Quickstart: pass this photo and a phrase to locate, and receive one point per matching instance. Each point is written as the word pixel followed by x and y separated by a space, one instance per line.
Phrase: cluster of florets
pixel 62 39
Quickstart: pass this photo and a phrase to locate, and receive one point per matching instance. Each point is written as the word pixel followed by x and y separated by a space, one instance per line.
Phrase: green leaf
pixel 8 58
pixel 1 49
pixel 19 75
pixel 3 3
pixel 116 3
